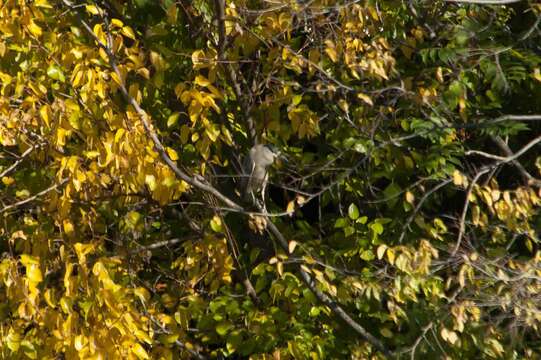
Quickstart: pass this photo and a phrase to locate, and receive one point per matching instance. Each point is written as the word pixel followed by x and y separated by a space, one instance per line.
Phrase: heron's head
pixel 263 155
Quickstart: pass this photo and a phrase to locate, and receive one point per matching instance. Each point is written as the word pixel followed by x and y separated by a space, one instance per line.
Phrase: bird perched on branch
pixel 255 175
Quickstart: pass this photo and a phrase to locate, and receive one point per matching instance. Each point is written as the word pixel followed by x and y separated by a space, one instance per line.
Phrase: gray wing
pixel 247 171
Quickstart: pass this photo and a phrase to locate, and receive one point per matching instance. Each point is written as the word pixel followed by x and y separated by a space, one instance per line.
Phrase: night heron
pixel 255 175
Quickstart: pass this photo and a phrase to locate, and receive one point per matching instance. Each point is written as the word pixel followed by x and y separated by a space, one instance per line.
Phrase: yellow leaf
pixel 68 227
pixel 79 342
pixel 144 72
pixel 117 23
pixel 365 98
pixel 150 180
pixel 537 74
pixel 291 246
pixel 43 4
pixel 201 81
pixel 381 251
pixel 343 104
pixel 128 32
pixel 139 351
pixel 331 52
pixel 78 78
pixel 82 250
pixel 390 256
pixel 142 294
pixel 93 9
pixel 119 133
pixel 49 298
pixel 13 340
pixel 7 180
pixel 33 273
pixel 172 13
pixel 290 207
pixel 116 79
pixel 410 198
pixel 449 336
pixel 34 29
pixel 91 154
pixel 439 74
pixel 45 112
pixel 23 194
pixel 172 154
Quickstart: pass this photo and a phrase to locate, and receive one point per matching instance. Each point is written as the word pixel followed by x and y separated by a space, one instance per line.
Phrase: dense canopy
pixel 401 218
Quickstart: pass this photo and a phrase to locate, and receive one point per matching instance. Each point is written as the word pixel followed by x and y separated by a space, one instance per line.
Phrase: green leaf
pixel 55 73
pixel 172 120
pixel 353 212
pixel 216 224
pixel 377 228
pixel 340 223
pixel 391 193
pixel 367 255
pixel 234 340
pixel 223 328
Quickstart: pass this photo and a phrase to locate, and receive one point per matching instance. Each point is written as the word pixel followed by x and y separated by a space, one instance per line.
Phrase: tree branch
pixel 34 197
pixel 197 182
pixel 462 224
pixel 19 160
pixel 530 180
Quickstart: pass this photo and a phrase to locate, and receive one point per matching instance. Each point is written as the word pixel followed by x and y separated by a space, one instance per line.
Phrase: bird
pixel 255 173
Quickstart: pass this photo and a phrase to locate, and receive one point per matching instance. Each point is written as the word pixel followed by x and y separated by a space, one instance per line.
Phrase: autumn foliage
pixel 402 217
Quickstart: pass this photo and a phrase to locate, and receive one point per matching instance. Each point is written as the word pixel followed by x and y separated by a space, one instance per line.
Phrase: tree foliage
pixel 402 220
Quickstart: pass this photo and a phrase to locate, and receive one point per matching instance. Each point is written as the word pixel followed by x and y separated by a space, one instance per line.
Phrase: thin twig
pixel 462 224
pixel 418 207
pixel 19 160
pixel 34 197
pixel 195 354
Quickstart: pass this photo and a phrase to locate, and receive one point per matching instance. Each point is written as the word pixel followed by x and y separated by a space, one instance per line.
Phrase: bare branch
pixel 19 160
pixel 462 224
pixel 34 197
pixel 510 158
pixel 530 180
pixel 195 354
